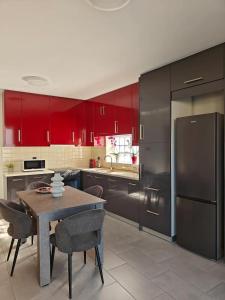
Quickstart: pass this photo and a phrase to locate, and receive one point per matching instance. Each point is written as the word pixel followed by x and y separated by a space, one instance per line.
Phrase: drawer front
pixel 42 177
pixel 198 69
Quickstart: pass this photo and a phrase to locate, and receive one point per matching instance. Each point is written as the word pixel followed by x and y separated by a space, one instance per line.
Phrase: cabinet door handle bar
pixel 152 212
pixel 193 80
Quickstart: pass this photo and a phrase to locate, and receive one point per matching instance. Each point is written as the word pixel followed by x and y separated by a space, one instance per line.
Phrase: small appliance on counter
pixel 92 163
pixel 99 162
pixel 34 165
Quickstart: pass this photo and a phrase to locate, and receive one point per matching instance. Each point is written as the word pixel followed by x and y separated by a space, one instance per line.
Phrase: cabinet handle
pixel 141 132
pixel 91 136
pixel 73 137
pixel 103 110
pixel 19 135
pixel 152 212
pixel 152 189
pixel 18 179
pixel 133 184
pixel 193 80
pixel 112 180
pixel 133 133
pixel 37 177
pixel 96 177
pixel 116 126
pixel 83 137
pixel 48 136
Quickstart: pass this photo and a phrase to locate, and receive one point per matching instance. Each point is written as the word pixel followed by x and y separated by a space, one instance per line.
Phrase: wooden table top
pixel 45 203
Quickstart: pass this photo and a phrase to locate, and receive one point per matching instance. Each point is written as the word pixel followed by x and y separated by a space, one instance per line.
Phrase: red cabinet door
pixel 103 115
pixel 12 118
pixel 81 124
pixel 89 114
pixel 123 110
pixel 62 121
pixel 35 120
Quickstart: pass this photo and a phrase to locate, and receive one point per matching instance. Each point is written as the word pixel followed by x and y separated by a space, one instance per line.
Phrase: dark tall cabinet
pixel 155 209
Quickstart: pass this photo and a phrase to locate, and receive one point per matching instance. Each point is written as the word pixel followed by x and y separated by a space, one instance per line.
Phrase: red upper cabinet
pixel 123 110
pixel 35 120
pixel 103 115
pixel 12 118
pixel 89 116
pixel 62 121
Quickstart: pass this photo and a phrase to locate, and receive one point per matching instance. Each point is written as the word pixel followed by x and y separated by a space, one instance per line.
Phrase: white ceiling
pixel 84 52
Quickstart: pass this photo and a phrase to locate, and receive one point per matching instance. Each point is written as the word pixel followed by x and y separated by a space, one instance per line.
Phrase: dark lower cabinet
pixel 14 185
pixel 122 195
pixel 19 183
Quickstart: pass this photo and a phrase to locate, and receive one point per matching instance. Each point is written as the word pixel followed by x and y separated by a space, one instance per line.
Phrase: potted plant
pixel 10 166
pixel 134 156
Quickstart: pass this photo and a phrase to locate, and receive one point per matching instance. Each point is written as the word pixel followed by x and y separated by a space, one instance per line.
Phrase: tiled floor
pixel 137 266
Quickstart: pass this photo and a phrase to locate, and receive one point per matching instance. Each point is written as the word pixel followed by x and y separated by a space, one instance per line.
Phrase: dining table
pixel 45 208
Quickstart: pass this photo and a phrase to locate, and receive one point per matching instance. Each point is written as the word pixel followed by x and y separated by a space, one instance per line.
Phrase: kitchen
pixel 129 138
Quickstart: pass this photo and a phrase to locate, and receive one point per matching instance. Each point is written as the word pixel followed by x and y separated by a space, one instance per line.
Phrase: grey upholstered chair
pixel 21 225
pixel 95 190
pixel 77 233
pixel 37 184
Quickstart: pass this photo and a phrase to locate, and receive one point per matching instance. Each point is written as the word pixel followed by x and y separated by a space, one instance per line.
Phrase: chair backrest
pixel 36 185
pixel 95 190
pixel 79 226
pixel 20 224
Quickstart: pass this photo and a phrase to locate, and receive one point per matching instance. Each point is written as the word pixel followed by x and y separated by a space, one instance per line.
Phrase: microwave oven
pixel 33 165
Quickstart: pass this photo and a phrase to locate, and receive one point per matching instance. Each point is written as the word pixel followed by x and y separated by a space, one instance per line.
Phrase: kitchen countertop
pixel 114 172
pixel 22 173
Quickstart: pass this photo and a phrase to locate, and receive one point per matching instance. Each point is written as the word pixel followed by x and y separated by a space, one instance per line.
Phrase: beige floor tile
pixel 111 260
pixel 190 271
pixel 143 263
pixel 6 291
pixel 178 288
pixel 140 287
pixel 164 297
pixel 218 293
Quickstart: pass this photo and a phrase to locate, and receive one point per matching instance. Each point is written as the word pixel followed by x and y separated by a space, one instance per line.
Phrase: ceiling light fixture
pixel 108 5
pixel 35 80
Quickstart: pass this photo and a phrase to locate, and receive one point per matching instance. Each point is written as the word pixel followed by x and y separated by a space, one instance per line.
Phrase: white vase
pixel 57 185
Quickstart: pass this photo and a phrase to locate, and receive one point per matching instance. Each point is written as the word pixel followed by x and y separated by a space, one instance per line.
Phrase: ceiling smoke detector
pixel 108 5
pixel 35 80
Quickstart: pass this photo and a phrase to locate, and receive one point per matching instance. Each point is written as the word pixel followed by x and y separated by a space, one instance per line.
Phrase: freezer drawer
pixel 197 226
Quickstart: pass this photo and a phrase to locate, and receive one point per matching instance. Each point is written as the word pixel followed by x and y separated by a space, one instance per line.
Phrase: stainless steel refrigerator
pixel 199 184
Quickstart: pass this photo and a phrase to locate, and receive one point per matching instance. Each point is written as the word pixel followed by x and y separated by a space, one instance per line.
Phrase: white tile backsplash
pixel 55 156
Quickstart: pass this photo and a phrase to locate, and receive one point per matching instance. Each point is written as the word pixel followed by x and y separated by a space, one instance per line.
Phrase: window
pixel 120 148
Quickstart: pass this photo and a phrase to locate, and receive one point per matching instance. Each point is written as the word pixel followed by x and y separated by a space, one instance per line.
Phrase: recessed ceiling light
pixel 108 5
pixel 35 80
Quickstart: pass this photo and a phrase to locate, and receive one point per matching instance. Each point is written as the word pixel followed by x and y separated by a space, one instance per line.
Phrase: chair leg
pixel 32 240
pixel 85 257
pixel 15 256
pixel 10 248
pixel 52 259
pixel 70 274
pixel 99 264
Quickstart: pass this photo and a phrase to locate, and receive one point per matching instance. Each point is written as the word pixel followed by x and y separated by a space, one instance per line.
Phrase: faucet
pixel 111 160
